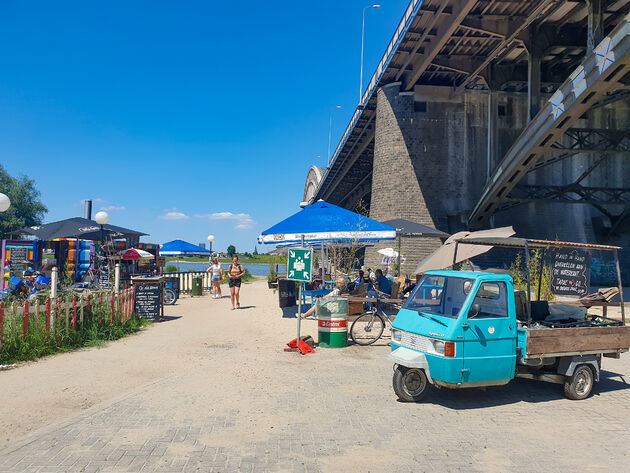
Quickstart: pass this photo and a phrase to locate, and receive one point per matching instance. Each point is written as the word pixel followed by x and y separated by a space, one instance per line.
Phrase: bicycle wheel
pixel 169 296
pixel 367 328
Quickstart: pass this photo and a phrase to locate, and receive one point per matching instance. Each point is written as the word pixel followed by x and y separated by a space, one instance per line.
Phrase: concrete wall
pixel 431 162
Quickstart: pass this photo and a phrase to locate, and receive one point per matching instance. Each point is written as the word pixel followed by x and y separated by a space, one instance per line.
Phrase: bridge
pixel 483 113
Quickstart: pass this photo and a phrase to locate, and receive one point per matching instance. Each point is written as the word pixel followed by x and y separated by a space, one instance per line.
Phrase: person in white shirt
pixel 341 284
pixel 216 272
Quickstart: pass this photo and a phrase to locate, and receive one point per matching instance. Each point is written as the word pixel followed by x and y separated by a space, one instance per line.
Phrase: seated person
pixel 409 286
pixel 381 284
pixel 360 277
pixel 341 284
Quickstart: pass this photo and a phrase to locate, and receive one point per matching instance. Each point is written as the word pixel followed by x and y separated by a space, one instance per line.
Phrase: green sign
pixel 299 264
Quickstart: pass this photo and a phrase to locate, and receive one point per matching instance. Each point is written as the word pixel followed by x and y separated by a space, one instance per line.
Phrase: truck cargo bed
pixel 557 341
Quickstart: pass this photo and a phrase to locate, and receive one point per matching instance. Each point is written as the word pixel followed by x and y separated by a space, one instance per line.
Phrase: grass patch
pixel 94 332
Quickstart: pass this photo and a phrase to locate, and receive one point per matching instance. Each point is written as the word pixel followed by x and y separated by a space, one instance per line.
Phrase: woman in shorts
pixel 216 274
pixel 235 272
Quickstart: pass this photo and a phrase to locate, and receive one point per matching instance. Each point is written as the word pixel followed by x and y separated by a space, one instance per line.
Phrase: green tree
pixel 256 250
pixel 26 207
pixel 231 251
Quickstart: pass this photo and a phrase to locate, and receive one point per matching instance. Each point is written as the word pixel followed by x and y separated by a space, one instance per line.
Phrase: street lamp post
pixel 362 40
pixel 210 241
pixel 330 130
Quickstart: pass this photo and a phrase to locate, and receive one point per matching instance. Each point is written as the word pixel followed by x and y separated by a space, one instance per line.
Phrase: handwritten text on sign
pixel 570 272
pixel 148 300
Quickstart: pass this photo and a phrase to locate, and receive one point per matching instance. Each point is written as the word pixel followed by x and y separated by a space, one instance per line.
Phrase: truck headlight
pixel 438 345
pixel 396 335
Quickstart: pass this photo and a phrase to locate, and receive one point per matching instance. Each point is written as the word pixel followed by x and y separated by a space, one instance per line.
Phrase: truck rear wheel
pixel 410 384
pixel 579 386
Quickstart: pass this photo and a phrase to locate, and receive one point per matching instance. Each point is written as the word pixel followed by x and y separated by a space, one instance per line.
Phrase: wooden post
pixel 529 296
pixel 81 310
pixel 25 313
pixel 111 317
pixel 623 309
pixel 67 312
pixel 89 306
pixel 74 312
pixel 1 322
pixel 47 316
pixel 36 319
pixel 100 308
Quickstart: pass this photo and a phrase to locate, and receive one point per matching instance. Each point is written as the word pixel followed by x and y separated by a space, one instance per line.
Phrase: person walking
pixel 216 275
pixel 235 272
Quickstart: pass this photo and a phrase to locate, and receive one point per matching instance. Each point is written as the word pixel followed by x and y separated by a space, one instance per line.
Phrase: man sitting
pixel 381 284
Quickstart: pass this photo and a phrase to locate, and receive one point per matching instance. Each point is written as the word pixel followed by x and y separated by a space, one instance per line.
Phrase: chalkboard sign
pixel 18 254
pixel 570 272
pixel 148 299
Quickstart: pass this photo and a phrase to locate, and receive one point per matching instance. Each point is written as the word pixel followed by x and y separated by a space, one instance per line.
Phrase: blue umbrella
pixel 324 222
pixel 181 247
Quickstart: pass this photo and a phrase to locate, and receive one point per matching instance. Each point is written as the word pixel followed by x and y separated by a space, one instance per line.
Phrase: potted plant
pixel 272 277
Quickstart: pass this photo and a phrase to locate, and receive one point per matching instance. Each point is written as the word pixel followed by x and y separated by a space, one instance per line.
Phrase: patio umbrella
pixel 78 227
pixel 135 254
pixel 408 228
pixel 445 255
pixel 322 222
pixel 389 252
pixel 183 248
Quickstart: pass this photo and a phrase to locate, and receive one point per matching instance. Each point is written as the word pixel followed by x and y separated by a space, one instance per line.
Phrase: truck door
pixel 490 335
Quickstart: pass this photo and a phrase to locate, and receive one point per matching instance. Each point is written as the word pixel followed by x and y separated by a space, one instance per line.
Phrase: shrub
pixel 171 268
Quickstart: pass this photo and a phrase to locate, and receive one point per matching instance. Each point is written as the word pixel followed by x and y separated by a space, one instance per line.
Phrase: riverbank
pixel 253 259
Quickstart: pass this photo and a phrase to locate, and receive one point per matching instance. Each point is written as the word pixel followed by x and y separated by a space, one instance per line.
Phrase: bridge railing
pixel 399 34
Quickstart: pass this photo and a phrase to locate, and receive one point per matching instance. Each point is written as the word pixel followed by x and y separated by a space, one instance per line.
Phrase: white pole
pixel 54 278
pixel 299 315
pixel 117 278
pixel 362 39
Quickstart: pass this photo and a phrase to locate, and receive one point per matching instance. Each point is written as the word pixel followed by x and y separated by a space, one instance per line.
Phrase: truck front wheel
pixel 579 386
pixel 410 384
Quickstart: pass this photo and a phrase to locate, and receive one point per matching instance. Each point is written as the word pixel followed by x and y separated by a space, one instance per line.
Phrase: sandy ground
pixel 42 392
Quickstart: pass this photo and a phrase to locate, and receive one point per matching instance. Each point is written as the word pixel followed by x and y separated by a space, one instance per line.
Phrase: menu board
pixel 17 257
pixel 148 299
pixel 570 272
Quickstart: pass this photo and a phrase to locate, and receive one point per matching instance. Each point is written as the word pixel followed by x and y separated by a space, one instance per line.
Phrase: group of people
pixel 235 274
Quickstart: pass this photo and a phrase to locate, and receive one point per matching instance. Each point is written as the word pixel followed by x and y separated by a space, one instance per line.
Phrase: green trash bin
pixel 332 321
pixel 197 286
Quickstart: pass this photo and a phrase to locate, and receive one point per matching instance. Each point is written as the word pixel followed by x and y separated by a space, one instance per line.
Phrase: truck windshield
pixel 439 295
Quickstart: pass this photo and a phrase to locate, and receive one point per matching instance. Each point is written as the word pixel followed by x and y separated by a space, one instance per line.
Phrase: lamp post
pixel 210 241
pixel 376 7
pixel 102 218
pixel 330 130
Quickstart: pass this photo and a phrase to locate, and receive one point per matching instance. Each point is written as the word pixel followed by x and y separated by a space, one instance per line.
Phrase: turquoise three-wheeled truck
pixel 461 329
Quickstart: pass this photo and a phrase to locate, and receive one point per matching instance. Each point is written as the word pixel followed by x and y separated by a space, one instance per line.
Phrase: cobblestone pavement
pixel 329 412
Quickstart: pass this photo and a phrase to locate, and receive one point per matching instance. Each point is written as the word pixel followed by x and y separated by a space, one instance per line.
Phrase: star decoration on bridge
pixel 604 56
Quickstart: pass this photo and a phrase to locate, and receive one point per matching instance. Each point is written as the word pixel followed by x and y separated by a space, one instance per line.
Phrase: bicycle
pixel 369 326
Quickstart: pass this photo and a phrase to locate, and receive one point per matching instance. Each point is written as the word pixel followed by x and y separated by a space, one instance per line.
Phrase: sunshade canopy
pixel 135 254
pixel 182 248
pixel 78 227
pixel 408 228
pixel 532 244
pixel 446 255
pixel 322 221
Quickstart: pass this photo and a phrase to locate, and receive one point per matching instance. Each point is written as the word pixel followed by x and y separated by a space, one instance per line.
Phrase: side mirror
pixel 474 310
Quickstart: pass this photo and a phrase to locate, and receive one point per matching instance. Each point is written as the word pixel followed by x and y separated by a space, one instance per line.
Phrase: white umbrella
pixel 444 256
pixel 389 252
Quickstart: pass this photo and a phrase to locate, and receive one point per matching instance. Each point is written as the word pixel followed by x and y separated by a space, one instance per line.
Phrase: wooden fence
pixel 186 278
pixel 66 310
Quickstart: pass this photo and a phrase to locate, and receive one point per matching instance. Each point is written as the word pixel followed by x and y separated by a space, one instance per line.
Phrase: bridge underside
pixel 448 121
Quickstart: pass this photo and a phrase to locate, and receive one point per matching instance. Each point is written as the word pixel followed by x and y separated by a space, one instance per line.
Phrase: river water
pixel 255 269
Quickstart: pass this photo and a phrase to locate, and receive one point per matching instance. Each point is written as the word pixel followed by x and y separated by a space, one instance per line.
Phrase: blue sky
pixel 180 118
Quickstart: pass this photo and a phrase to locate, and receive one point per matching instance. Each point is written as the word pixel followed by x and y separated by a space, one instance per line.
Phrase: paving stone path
pixel 225 410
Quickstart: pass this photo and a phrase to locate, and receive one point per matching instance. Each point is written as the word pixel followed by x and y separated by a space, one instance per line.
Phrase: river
pixel 255 269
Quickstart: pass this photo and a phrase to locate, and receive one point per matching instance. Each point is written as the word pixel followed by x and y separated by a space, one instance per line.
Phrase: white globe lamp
pixel 102 218
pixel 210 241
pixel 5 203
